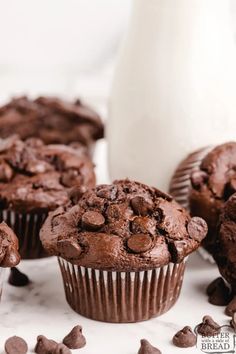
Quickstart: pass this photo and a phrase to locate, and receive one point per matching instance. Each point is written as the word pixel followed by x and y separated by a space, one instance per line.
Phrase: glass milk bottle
pixel 174 88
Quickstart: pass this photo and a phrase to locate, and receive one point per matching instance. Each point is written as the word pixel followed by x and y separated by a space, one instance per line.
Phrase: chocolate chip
pixel 198 178
pixel 16 345
pixel 69 248
pixel 114 212
pixel 6 172
pixel 208 327
pixel 61 349
pixel 107 192
pixel 231 307
pixel 147 348
pixel 197 228
pixel 75 339
pixel 185 338
pixel 92 220
pixel 233 321
pixel 219 293
pixel 45 345
pixel 76 193
pixel 71 178
pixel 140 206
pixel 139 243
pixel 143 225
pixel 17 278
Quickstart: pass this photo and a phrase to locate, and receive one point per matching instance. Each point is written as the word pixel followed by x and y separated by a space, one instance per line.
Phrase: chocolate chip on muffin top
pixel 9 256
pixel 123 226
pixel 35 176
pixel 50 119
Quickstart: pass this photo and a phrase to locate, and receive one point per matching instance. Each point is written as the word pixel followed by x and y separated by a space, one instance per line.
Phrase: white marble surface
pixel 40 308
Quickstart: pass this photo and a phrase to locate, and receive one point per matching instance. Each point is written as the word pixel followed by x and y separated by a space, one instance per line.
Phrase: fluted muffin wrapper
pixel 26 226
pixel 181 184
pixel 118 297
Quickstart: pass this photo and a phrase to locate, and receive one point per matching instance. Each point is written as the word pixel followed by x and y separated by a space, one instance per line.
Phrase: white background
pixel 69 47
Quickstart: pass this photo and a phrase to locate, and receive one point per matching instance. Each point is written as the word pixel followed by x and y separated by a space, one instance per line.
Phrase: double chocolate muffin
pixel 122 250
pixel 203 182
pixel 52 120
pixel 225 254
pixel 34 179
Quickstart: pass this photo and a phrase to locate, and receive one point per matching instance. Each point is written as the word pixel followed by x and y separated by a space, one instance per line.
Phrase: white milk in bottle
pixel 174 88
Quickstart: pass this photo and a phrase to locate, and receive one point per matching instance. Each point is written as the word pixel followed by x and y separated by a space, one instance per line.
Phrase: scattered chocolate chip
pixel 75 339
pixel 45 345
pixel 219 293
pixel 16 345
pixel 197 228
pixel 185 338
pixel 139 243
pixel 17 278
pixel 69 248
pixel 233 321
pixel 198 178
pixel 92 220
pixel 61 349
pixel 208 327
pixel 140 206
pixel 147 348
pixel 231 307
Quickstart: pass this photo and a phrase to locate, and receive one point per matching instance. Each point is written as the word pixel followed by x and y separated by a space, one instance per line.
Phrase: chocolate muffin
pixel 122 250
pixel 52 120
pixel 203 182
pixel 225 254
pixel 9 256
pixel 34 179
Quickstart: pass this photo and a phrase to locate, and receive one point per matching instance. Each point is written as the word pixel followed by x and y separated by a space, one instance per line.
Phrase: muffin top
pixel 50 119
pixel 9 256
pixel 226 239
pixel 37 177
pixel 125 226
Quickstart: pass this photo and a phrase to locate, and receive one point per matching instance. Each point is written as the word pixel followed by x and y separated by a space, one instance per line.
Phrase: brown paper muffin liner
pixel 26 227
pixel 181 183
pixel 121 296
